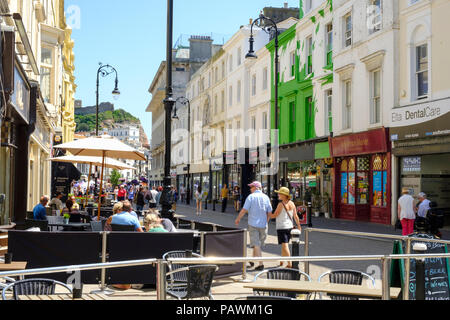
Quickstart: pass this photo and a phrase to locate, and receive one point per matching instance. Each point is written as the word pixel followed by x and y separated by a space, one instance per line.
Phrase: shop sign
pixel 230 157
pixel 411 164
pixel 21 96
pixel 369 142
pixel 216 165
pixel 421 120
pixel 253 156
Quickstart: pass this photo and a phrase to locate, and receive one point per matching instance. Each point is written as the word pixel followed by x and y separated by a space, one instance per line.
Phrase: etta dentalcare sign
pixel 421 120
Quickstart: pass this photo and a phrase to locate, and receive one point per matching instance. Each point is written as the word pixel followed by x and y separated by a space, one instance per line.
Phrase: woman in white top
pixel 198 199
pixel 406 212
pixel 285 214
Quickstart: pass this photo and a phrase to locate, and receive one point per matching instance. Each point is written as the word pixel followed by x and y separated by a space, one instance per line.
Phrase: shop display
pixel 363 188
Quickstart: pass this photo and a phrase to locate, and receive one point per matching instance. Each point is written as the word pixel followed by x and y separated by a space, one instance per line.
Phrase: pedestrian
pixel 140 199
pixel 131 194
pixel 406 212
pixel 158 195
pixel 259 209
pixel 151 197
pixel 224 196
pixel 237 198
pixel 121 194
pixel 116 192
pixel 183 193
pixel 198 200
pixel 285 214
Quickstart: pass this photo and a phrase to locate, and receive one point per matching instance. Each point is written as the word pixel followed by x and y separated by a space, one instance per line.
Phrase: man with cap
pixel 259 208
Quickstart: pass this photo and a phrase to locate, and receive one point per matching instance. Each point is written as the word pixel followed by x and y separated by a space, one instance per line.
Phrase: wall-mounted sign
pixel 421 120
pixel 20 98
pixel 411 164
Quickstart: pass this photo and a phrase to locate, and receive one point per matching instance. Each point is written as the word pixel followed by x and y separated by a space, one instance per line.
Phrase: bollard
pixel 103 289
pixel 307 250
pixel 309 212
pixel 214 205
pixel 295 233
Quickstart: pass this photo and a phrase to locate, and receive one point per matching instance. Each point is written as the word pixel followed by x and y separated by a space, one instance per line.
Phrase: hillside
pixel 87 123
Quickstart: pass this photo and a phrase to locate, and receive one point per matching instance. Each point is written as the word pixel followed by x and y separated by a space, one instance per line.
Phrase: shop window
pixel 380 166
pixel 363 180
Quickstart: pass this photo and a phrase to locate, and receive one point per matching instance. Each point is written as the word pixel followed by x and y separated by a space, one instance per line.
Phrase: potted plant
pixel 317 203
pixel 66 218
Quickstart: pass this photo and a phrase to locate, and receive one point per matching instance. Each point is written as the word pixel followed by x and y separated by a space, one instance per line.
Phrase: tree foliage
pixel 115 176
pixel 88 122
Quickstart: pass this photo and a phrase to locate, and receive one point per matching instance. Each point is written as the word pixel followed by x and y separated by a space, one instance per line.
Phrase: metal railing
pixel 406 239
pixel 161 266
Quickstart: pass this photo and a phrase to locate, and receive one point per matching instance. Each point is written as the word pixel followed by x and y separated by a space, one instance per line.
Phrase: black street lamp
pixel 185 101
pixel 105 70
pixel 167 194
pixel 271 25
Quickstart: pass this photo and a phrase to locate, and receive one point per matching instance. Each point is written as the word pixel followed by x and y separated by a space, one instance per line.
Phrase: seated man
pixel 129 208
pixel 127 219
pixel 56 202
pixel 39 212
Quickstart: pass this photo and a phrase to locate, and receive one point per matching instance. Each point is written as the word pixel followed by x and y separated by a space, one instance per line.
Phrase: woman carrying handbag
pixel 285 214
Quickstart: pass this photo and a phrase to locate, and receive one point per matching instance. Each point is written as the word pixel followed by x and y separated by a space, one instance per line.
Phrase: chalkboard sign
pixel 437 283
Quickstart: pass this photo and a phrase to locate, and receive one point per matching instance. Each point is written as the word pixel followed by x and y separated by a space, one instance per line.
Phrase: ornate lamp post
pixel 269 27
pixel 184 101
pixel 167 196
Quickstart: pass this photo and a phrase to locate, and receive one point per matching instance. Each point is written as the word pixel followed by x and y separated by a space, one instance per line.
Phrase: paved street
pixel 320 244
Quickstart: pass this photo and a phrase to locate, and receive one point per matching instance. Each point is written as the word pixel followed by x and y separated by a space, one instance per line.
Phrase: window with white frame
pixel 230 96
pixel 292 63
pixel 222 101
pixel 374 17
pixel 253 123
pixel 223 70
pixel 348 30
pixel 239 91
pixel 254 85
pixel 347 112
pixel 216 75
pixel 422 71
pixel 328 112
pixel 265 78
pixel 231 63
pixel 308 5
pixel 46 73
pixel 215 104
pixel 329 40
pixel 309 50
pixel 375 103
pixel 239 56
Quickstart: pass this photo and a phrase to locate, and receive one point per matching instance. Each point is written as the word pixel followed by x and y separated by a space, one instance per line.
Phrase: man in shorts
pixel 258 207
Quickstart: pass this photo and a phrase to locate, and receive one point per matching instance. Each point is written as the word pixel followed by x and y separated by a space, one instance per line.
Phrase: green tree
pixel 115 176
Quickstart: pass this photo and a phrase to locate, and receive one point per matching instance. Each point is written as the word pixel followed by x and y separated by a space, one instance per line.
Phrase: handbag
pixel 398 225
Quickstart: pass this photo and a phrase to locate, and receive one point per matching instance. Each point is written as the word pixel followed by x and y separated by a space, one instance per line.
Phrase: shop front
pixel 216 178
pixel 362 176
pixel 421 151
pixel 17 126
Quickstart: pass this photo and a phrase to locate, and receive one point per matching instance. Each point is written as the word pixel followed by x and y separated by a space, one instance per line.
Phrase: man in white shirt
pixel 406 212
pixel 424 205
pixel 56 202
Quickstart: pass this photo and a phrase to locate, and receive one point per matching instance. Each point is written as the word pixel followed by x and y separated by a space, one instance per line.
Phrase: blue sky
pixel 131 36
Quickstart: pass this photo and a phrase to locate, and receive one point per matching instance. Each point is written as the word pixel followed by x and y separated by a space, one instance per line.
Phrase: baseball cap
pixel 256 184
pixel 422 195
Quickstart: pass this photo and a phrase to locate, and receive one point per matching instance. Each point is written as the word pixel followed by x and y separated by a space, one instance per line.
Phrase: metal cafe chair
pixel 32 287
pixel 179 278
pixel 351 277
pixel 55 219
pixel 281 274
pixel 198 285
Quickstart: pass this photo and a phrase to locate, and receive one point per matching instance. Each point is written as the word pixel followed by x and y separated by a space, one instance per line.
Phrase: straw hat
pixel 405 191
pixel 284 191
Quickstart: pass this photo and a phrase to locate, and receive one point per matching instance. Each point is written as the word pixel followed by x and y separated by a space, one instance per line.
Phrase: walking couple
pixel 259 210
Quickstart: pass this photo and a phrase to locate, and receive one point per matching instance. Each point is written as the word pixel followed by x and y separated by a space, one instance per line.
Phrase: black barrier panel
pixel 184 224
pixel 47 249
pixel 220 228
pixel 204 227
pixel 124 246
pixel 225 244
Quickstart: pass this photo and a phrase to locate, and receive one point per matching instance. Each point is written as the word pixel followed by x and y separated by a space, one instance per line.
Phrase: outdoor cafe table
pixel 332 288
pixel 14 266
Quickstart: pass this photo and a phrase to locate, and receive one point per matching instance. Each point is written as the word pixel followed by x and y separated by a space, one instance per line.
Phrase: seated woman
pixel 153 223
pixel 118 208
pixel 75 216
